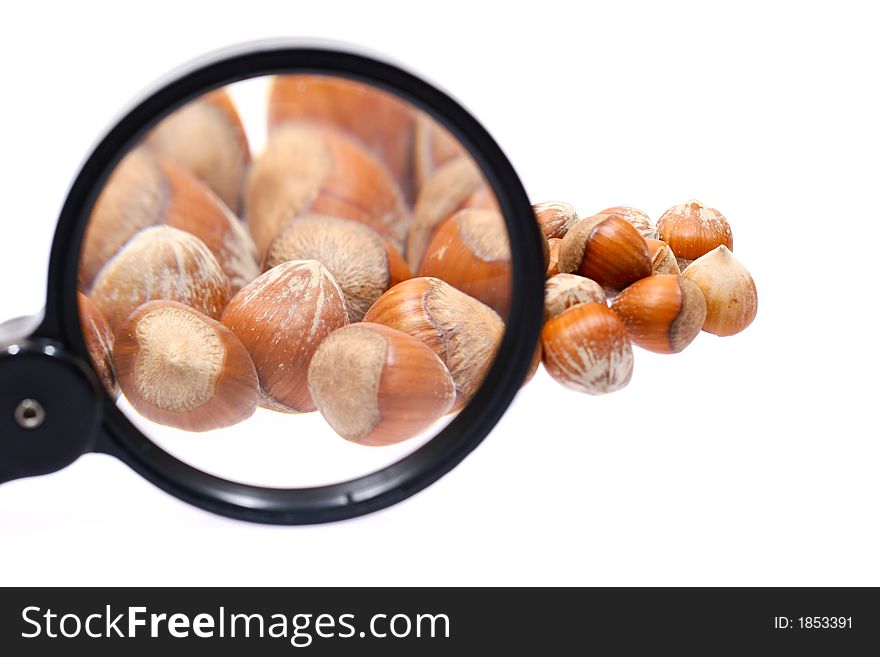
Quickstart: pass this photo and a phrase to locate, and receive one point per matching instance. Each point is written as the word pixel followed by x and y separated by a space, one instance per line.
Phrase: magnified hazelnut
pixel 586 348
pixel 563 291
pixel 281 318
pixel 377 386
pixel 471 252
pixel 182 369
pixel 309 169
pixel 144 192
pixel 206 138
pixel 462 331
pixel 661 313
pixel 607 249
pixel 692 230
pixel 99 342
pixel 161 263
pixel 638 219
pixel 555 218
pixel 363 264
pixel 434 147
pixel 382 122
pixel 458 184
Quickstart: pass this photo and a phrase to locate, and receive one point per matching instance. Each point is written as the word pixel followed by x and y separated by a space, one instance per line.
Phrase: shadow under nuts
pixel 161 263
pixel 182 369
pixel 607 249
pixel 662 313
pixel 470 251
pixel 462 331
pixel 281 318
pixel 362 263
pixel 586 348
pixel 377 386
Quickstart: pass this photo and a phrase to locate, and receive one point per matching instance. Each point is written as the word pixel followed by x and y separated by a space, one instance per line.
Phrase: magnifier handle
pixel 49 403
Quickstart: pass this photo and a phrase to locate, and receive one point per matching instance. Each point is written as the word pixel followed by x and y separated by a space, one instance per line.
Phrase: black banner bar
pixel 439 621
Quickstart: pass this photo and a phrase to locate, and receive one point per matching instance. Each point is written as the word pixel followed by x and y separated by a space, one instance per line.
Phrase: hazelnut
pixel 731 296
pixel 377 386
pixel 182 369
pixel 692 230
pixel 161 263
pixel 663 260
pixel 363 264
pixel 586 349
pixel 470 251
pixel 458 184
pixel 661 313
pixel 563 291
pixel 638 219
pixel 281 318
pixel 207 139
pixel 555 218
pixel 462 331
pixel 99 342
pixel 309 169
pixel 607 249
pixel 380 121
pixel 434 146
pixel 553 256
pixel 144 192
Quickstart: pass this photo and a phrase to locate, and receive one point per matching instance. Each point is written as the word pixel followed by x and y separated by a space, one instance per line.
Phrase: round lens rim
pixel 401 479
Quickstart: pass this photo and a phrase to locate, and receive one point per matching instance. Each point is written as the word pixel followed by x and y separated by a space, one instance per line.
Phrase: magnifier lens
pixel 294 281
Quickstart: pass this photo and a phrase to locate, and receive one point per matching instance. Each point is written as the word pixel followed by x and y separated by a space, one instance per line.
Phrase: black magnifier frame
pixel 81 417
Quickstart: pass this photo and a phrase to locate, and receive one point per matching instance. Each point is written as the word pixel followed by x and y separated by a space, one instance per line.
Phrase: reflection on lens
pixel 314 310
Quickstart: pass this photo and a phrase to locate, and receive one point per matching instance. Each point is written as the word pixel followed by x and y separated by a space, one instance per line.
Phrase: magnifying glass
pixel 293 285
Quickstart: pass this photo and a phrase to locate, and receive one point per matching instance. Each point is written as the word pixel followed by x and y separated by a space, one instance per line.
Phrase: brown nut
pixel 281 318
pixel 607 249
pixel 144 192
pixel 462 331
pixel 99 342
pixel 661 313
pixel 563 291
pixel 377 386
pixel 586 349
pixel 458 184
pixel 380 121
pixel 471 252
pixel 363 264
pixel 309 169
pixel 182 369
pixel 206 138
pixel 553 256
pixel 663 260
pixel 555 218
pixel 161 263
pixel 692 230
pixel 638 219
pixel 731 296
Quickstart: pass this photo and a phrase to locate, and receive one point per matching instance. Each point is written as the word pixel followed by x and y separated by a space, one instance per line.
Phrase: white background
pixel 747 460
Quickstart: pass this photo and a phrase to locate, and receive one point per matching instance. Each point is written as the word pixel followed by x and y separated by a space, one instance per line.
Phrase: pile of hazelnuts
pixel 361 268
pixel 367 276
pixel 615 279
